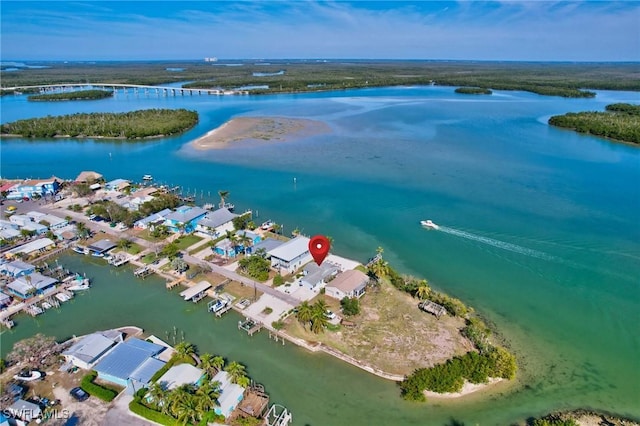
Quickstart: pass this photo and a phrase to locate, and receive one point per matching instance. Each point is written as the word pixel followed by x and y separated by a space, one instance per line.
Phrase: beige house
pixel 350 283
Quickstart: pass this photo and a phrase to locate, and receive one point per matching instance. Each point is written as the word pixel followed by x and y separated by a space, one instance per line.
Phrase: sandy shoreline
pixel 267 129
pixel 467 388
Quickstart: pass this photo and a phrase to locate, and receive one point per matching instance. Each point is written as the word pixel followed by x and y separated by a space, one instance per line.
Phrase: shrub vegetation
pixel 126 125
pixel 78 95
pixel 101 392
pixel 619 121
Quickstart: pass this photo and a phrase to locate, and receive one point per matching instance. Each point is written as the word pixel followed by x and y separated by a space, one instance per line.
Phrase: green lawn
pixel 148 258
pixel 187 240
pixel 146 234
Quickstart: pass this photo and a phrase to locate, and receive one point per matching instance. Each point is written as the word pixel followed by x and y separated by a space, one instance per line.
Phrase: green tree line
pixel 619 121
pixel 78 95
pixel 129 125
pixel 473 91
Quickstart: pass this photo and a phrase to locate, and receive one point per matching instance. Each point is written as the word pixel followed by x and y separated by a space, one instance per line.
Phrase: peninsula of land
pixel 268 129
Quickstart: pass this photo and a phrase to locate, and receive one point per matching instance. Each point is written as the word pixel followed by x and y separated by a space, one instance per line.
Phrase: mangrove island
pixel 127 125
pixel 78 95
pixel 620 122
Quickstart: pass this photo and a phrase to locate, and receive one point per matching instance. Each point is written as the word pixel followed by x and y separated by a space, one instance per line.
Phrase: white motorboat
pixel 147 177
pixel 429 224
pixel 84 285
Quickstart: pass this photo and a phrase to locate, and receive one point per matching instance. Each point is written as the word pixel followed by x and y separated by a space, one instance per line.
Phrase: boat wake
pixel 497 243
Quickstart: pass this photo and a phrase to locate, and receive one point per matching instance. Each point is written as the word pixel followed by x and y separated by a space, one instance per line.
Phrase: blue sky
pixel 501 30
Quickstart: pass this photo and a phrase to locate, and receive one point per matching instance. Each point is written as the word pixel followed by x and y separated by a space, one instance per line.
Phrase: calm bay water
pixel 540 236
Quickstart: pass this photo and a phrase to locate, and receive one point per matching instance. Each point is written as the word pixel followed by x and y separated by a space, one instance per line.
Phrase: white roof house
pixel 17 268
pixel 291 255
pixel 31 247
pixel 179 375
pixel 230 394
pixel 24 285
pixel 87 351
pixel 217 222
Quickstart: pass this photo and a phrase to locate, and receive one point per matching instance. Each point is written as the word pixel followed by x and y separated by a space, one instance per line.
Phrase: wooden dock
pixel 250 326
pixel 172 284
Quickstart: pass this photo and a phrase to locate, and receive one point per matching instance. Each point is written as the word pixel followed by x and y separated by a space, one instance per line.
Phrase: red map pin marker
pixel 319 248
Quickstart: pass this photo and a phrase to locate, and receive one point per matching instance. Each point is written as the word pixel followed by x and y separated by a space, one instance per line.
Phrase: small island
pixel 473 91
pixel 78 95
pixel 272 129
pixel 140 124
pixel 620 122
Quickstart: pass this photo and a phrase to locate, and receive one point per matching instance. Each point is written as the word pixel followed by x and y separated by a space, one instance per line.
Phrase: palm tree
pixel 218 362
pixel 423 290
pixel 82 230
pixel 205 364
pixel 223 195
pixel 245 241
pixel 186 409
pixel 207 396
pixel 236 371
pixel 304 314
pixel 243 381
pixel 319 320
pixel 124 243
pixel 158 394
pixel 320 306
pixel 380 268
pixel 184 349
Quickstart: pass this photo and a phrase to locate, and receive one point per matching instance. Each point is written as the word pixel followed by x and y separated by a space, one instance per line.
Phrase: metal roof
pixel 291 249
pixel 146 370
pixel 32 246
pixel 125 358
pixel 268 244
pixel 192 291
pixel 179 375
pixel 216 218
pixel 102 246
pixel 17 266
pixel 184 215
pixel 35 280
pixel 90 347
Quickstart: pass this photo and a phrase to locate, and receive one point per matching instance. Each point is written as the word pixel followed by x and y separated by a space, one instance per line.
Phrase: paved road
pixel 98 227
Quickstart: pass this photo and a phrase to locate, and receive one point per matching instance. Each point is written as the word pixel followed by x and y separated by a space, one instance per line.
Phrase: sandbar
pixel 267 129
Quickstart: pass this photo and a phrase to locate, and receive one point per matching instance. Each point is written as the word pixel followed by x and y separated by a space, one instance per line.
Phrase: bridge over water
pixel 126 89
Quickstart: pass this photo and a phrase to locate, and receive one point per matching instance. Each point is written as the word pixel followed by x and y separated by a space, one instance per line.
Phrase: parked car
pixel 79 394
pixel 330 314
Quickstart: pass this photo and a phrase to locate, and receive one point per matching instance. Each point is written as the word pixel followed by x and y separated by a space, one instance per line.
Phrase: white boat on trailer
pixel 429 224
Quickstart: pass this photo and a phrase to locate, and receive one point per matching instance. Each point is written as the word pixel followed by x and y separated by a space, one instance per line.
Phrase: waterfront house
pixel 34 187
pixel 87 351
pixel 102 246
pixel 88 177
pixel 152 220
pixel 267 245
pixel 31 248
pixel 5 300
pixel 315 275
pixel 17 268
pixel 350 283
pixel 217 222
pixel 25 410
pixel 185 218
pixel 9 233
pixel 117 185
pixel 181 374
pixel 28 285
pixel 225 248
pixel 291 255
pixel 230 394
pixel 131 364
pixel 8 186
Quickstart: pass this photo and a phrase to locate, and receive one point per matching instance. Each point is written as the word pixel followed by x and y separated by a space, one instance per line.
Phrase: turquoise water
pixel 539 234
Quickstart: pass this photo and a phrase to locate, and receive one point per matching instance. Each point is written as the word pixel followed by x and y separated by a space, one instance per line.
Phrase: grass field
pixel 391 333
